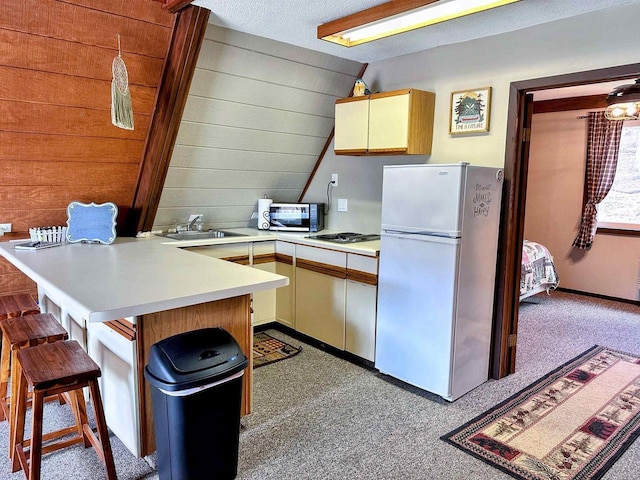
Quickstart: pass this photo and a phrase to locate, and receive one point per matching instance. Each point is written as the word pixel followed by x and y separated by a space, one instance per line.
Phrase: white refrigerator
pixel 438 253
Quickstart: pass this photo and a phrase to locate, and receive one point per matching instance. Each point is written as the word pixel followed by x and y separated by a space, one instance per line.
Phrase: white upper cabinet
pixel 387 123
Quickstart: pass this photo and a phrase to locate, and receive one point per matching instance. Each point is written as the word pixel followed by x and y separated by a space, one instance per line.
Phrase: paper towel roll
pixel 263 213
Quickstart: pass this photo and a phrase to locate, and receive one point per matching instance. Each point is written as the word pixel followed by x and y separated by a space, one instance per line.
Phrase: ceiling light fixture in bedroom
pixel 623 102
pixel 399 16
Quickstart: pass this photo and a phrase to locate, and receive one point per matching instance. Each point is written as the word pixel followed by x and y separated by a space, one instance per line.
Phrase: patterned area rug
pixel 572 424
pixel 267 349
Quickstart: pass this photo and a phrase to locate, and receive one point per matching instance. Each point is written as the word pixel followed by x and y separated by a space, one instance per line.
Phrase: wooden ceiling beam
pixel 180 64
pixel 568 104
pixel 174 6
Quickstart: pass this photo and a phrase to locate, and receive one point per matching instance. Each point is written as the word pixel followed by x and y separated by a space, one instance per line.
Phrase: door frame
pixel 513 205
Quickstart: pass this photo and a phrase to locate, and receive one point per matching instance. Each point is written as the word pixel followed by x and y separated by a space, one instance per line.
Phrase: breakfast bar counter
pixel 119 299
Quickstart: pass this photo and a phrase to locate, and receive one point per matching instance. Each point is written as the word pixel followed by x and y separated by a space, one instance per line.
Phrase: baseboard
pixel 597 295
pixel 349 357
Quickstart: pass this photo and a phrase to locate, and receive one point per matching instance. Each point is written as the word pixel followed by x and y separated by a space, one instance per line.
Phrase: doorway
pixel 514 199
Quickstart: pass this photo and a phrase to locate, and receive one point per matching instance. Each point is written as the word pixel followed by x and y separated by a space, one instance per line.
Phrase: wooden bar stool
pixel 17 333
pixel 50 369
pixel 17 305
pixel 12 306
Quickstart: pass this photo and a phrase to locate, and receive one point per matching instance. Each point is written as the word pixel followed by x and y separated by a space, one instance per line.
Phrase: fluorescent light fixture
pixel 399 16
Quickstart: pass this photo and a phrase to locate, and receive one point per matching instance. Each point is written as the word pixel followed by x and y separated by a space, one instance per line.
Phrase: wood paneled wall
pixel 257 117
pixel 57 143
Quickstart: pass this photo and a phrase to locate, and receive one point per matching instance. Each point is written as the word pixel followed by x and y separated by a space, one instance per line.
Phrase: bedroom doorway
pixel 514 200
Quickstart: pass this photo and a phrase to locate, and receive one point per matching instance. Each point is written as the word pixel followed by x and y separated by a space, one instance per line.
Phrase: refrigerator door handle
pixel 420 237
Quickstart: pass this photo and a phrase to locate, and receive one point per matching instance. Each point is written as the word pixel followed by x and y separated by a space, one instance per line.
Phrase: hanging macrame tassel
pixel 121 111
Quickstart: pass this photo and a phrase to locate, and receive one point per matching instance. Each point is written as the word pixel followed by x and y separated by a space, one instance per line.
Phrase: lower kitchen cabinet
pixel 264 303
pixel 285 296
pixel 114 350
pixel 361 305
pixel 360 320
pixel 320 294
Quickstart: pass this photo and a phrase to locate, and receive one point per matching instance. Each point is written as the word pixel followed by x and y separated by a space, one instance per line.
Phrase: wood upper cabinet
pixel 387 123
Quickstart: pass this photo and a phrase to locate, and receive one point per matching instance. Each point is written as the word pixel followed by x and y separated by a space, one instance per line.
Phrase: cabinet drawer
pixel 232 252
pixel 321 255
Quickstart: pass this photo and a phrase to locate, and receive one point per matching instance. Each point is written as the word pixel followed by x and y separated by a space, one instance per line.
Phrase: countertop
pixel 370 249
pixel 138 276
pixel 134 277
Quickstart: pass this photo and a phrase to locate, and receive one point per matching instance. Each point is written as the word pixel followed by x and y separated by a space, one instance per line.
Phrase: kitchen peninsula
pixel 119 299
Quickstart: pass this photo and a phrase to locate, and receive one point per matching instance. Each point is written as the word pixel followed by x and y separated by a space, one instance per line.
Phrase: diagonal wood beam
pixel 327 143
pixel 188 34
pixel 174 6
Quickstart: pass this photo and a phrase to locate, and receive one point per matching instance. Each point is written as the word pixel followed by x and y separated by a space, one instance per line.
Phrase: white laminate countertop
pixel 370 249
pixel 134 277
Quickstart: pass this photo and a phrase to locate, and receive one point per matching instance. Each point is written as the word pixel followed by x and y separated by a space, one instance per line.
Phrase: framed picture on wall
pixel 470 111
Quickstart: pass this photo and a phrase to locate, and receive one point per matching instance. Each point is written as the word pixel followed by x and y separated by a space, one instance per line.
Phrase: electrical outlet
pixel 334 179
pixel 254 215
pixel 342 204
pixel 5 228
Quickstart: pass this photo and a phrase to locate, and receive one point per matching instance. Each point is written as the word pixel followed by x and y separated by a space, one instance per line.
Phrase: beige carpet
pixel 572 424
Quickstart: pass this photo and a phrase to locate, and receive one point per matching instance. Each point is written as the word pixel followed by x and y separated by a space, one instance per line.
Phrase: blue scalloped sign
pixel 90 222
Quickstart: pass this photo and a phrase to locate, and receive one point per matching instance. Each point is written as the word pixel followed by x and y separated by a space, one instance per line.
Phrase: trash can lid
pixel 194 359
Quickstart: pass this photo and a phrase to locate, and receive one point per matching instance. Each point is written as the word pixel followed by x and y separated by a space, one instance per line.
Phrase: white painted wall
pixel 577 44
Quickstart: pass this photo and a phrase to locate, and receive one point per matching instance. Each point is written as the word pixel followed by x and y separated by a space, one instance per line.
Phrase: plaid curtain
pixel 602 159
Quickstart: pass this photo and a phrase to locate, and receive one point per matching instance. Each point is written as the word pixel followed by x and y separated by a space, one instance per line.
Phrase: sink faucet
pixel 192 223
pixel 195 224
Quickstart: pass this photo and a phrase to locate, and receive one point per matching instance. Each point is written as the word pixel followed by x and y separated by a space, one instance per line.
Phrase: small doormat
pixel 267 349
pixel 572 424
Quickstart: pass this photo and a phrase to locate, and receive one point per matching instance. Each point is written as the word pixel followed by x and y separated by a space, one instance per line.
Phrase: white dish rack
pixel 48 234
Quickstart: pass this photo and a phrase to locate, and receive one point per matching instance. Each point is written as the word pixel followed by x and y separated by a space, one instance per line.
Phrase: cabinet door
pixel 320 294
pixel 320 306
pixel 351 125
pixel 360 315
pixel 116 356
pixel 360 320
pixel 264 302
pixel 285 296
pixel 389 123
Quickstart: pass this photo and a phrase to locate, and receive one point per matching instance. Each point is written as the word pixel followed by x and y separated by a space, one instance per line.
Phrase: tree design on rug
pixel 541 468
pixel 582 444
pixel 504 428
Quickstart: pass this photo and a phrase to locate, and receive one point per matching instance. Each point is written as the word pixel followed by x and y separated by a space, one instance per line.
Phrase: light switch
pixel 342 204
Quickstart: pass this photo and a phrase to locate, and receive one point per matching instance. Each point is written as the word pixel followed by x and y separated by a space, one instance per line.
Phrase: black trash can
pixel 196 390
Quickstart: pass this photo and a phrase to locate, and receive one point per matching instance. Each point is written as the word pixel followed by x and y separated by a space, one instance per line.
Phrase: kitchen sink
pixel 345 237
pixel 197 235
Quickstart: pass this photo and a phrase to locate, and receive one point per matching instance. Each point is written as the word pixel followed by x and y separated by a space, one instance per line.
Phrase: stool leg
pixel 15 373
pixel 35 449
pixel 107 455
pixel 4 376
pixel 79 408
pixel 17 431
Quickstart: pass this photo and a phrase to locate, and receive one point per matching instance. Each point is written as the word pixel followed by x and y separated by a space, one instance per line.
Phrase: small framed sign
pixel 470 111
pixel 91 223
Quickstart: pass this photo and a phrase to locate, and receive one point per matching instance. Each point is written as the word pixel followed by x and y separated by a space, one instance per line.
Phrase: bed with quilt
pixel 538 273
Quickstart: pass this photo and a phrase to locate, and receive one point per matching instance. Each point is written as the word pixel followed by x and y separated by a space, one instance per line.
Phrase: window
pixel 620 210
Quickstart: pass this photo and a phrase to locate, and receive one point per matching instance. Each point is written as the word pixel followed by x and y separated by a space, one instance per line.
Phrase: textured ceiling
pixel 295 22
